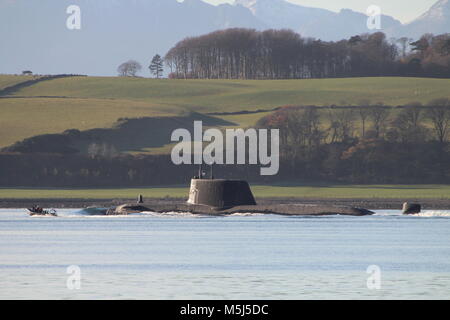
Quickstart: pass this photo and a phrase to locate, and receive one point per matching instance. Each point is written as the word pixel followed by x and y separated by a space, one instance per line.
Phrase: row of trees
pixel 367 144
pixel 283 54
pixel 131 68
pixel 312 126
pixel 430 56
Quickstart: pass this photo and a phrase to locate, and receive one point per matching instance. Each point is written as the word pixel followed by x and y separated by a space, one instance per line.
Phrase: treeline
pixel 283 54
pixel 311 125
pixel 354 144
pixel 120 170
pixel 370 144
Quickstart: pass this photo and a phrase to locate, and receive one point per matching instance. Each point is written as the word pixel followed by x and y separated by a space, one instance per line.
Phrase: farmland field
pixel 237 95
pixel 27 117
pixel 10 80
pixel 97 102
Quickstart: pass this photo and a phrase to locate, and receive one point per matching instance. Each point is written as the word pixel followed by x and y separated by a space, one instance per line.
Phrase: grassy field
pixel 10 80
pixel 237 95
pixel 27 117
pixel 332 191
pixel 97 102
pixel 244 120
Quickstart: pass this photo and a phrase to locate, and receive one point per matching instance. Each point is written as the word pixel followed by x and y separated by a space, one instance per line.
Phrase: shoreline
pixel 366 203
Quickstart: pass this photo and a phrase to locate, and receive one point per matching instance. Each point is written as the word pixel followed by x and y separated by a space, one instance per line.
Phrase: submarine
pixel 210 196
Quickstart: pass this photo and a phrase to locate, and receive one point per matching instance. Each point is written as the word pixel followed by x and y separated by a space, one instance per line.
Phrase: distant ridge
pixel 314 22
pixel 436 20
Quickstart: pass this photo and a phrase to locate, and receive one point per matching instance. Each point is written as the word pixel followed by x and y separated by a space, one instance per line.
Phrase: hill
pixel 315 22
pixel 436 20
pixel 236 95
pixel 85 103
pixel 7 81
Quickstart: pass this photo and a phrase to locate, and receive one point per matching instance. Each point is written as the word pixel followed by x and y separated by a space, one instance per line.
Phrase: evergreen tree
pixel 157 66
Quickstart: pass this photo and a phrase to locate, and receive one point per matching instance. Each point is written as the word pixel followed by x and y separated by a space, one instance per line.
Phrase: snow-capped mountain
pixel 283 14
pixel 436 20
pixel 314 22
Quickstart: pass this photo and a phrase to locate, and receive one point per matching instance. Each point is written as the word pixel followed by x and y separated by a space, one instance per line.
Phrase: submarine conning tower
pixel 220 193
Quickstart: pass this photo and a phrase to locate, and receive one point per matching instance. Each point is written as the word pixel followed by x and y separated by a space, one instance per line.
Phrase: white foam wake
pixel 434 213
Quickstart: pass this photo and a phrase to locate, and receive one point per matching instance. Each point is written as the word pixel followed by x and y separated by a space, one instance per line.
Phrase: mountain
pixel 35 37
pixel 436 20
pixel 314 22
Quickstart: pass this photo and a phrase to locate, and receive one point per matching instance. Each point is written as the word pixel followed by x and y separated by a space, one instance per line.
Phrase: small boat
pixel 41 212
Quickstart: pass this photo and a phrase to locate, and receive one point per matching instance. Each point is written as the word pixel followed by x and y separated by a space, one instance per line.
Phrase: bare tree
pixel 345 118
pixel 413 114
pixel 363 113
pixel 341 124
pixel 379 115
pixel 408 123
pixel 439 114
pixel 129 68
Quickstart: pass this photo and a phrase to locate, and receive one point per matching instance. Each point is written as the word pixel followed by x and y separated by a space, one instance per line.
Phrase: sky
pixel 403 10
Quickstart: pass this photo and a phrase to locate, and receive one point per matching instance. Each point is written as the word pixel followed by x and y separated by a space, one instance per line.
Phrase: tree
pixel 439 114
pixel 422 44
pixel 445 48
pixel 157 66
pixel 342 124
pixel 129 68
pixel 408 123
pixel 354 40
pixel 239 53
pixel 379 115
pixel 364 113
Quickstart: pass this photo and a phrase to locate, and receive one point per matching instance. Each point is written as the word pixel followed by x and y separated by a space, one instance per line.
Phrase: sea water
pixel 243 256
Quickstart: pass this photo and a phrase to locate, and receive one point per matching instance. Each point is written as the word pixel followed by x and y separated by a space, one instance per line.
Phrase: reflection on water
pixel 184 256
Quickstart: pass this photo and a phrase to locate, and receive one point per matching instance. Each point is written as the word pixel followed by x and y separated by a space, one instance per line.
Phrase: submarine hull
pixel 279 209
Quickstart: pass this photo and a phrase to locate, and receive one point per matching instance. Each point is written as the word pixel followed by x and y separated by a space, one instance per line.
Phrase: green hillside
pixel 237 95
pixel 27 117
pixel 97 102
pixel 10 80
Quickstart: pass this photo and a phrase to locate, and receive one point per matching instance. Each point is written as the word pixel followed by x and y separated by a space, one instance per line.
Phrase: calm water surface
pixel 181 256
